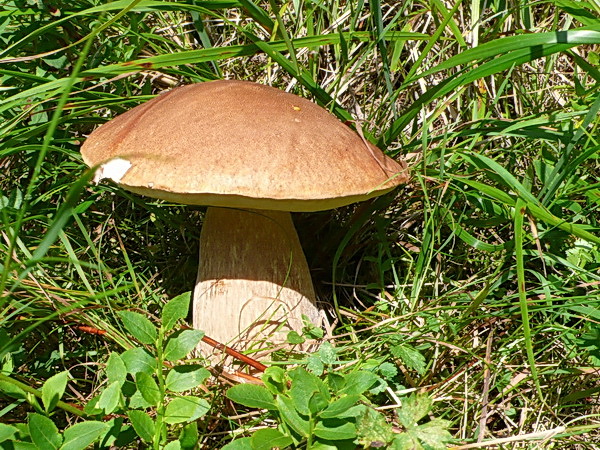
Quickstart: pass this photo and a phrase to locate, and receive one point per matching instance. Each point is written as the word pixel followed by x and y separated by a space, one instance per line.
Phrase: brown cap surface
pixel 241 144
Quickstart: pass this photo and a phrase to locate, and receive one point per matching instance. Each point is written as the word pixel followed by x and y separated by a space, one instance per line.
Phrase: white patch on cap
pixel 115 169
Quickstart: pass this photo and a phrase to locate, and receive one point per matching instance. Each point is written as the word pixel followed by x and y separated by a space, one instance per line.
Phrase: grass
pixel 477 284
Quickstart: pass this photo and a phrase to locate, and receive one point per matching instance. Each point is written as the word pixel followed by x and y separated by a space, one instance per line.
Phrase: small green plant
pixel 332 412
pixel 141 398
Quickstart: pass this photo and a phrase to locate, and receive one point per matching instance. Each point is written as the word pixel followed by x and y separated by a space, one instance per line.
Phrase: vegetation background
pixel 477 285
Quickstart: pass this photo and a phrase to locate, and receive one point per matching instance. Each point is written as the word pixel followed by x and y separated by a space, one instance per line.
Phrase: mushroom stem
pixel 253 282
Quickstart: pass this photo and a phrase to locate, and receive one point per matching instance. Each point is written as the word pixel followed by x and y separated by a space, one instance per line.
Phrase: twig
pixel 538 436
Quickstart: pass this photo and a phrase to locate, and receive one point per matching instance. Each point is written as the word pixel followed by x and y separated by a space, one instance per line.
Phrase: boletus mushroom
pixel 252 154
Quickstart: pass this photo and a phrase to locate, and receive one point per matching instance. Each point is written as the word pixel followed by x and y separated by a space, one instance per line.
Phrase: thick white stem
pixel 253 282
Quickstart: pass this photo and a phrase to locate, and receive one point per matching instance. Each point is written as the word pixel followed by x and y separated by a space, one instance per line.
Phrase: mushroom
pixel 252 154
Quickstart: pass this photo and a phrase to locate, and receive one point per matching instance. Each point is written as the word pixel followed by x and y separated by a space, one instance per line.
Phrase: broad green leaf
pixel 315 365
pixel 44 434
pixel 176 309
pixel 308 392
pixel 434 433
pixel 139 326
pixel 251 395
pixel 138 359
pixel 269 438
pixel 274 380
pixel 404 441
pixel 239 444
pixel 137 401
pixel 118 435
pixel 327 353
pixel 288 413
pixel 183 378
pixel 148 388
pixel 81 435
pixel 388 370
pixel 372 427
pixel 115 369
pixel 7 432
pixel 324 445
pixel 189 436
pixel 110 397
pixel 142 424
pixel 53 389
pixel 181 343
pixel 413 409
pixel 335 430
pixel 358 382
pixel 91 407
pixel 410 356
pixel 185 409
pixel 173 445
pixel 339 406
pixel 294 338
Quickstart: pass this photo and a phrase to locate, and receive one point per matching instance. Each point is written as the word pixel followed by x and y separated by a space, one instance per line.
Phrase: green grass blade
pixel 520 211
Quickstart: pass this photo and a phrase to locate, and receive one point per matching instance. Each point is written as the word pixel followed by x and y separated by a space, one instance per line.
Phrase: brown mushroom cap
pixel 242 144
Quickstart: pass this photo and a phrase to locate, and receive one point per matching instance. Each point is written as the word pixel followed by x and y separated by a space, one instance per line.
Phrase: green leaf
pixel 413 409
pixel 110 397
pixel 411 357
pixel 335 430
pixel 53 389
pixel 183 378
pixel 274 379
pixel 434 433
pixel 43 432
pixel 388 370
pixel 137 401
pixel 138 359
pixel 185 409
pixel 251 395
pixel 148 388
pixel 116 371
pixel 91 407
pixel 373 428
pixel 359 382
pixel 288 412
pixel 12 390
pixel 327 353
pixel 294 338
pixel 404 441
pixel 339 406
pixel 325 445
pixel 267 439
pixel 315 365
pixel 81 435
pixel 139 326
pixel 308 392
pixel 189 436
pixel 176 309
pixel 181 343
pixel 7 432
pixel 173 445
pixel 142 424
pixel 239 444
